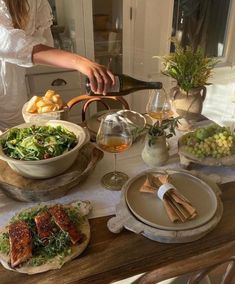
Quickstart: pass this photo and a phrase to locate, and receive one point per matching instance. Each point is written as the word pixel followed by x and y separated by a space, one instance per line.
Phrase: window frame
pixel 229 53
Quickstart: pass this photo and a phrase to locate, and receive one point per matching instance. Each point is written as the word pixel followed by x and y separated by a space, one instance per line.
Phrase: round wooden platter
pixel 83 207
pixel 31 190
pixel 125 219
pixel 187 159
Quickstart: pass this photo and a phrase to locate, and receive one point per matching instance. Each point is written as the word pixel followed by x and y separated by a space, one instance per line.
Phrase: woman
pixel 26 40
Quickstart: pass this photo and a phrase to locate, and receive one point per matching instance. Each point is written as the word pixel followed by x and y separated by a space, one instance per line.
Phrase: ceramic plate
pixel 150 209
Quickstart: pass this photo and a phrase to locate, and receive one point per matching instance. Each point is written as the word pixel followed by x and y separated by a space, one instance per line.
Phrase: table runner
pixel 104 201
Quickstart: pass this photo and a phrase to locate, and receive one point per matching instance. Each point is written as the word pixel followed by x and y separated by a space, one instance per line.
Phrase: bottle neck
pixel 155 85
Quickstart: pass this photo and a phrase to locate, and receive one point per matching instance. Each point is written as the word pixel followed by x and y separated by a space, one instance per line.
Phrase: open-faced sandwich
pixel 44 237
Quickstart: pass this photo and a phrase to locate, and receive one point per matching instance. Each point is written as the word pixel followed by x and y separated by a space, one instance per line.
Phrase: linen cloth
pixel 219 104
pixel 16 47
pixel 104 201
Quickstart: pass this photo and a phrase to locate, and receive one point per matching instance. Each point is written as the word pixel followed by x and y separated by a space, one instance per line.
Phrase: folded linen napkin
pixel 178 208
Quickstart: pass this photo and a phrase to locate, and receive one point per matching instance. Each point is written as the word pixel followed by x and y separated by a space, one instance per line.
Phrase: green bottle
pixel 125 85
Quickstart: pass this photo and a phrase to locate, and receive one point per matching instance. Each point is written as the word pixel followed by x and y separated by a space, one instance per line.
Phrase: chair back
pixel 87 100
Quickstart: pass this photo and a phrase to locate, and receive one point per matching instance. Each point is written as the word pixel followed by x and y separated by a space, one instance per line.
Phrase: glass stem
pixel 115 163
pixel 115 168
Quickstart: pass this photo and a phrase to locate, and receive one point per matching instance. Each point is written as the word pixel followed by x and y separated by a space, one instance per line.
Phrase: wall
pixel 149 38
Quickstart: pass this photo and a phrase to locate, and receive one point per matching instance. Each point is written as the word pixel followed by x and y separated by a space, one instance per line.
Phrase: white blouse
pixel 16 53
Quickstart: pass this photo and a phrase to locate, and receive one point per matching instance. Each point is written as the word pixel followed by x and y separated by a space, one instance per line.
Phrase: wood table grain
pixel 111 257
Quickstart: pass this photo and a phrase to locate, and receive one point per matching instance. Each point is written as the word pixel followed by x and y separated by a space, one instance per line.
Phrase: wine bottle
pixel 125 85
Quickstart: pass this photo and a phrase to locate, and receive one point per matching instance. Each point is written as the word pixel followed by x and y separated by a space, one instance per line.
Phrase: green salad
pixel 37 142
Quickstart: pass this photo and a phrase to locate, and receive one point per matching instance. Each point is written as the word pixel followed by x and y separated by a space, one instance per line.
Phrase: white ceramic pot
pixel 155 152
pixel 188 105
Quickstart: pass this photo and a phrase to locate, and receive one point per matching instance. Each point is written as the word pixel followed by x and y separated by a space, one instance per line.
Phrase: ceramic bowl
pixel 137 122
pixel 186 158
pixel 47 168
pixel 44 117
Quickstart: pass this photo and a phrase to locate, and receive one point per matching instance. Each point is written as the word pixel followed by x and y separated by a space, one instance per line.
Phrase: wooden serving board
pixel 125 219
pixel 83 208
pixel 31 190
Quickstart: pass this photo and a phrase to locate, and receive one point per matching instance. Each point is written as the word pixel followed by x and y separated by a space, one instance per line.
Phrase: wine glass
pixel 114 136
pixel 159 105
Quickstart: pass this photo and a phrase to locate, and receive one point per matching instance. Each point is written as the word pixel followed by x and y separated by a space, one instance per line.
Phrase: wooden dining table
pixel 111 257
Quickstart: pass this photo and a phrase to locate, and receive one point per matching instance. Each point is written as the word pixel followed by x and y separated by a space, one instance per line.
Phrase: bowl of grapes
pixel 212 145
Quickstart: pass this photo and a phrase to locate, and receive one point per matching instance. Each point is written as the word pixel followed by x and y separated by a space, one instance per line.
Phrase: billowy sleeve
pixel 44 15
pixel 15 45
pixel 43 22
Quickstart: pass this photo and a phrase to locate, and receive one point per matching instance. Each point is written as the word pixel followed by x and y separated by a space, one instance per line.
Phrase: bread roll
pixel 41 103
pixel 46 108
pixel 49 94
pixel 57 107
pixel 31 107
pixel 51 101
pixel 44 102
pixel 57 100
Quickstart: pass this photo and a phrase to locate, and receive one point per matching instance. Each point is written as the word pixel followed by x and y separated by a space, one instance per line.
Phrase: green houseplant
pixel 162 128
pixel 191 70
pixel 155 152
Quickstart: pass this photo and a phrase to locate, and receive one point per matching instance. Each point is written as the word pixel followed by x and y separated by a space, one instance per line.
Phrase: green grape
pixel 212 141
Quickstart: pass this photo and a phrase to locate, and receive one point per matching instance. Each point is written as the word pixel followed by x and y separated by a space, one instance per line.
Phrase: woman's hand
pixel 101 79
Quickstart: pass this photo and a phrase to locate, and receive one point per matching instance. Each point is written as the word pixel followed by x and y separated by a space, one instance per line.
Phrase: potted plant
pixel 191 70
pixel 155 152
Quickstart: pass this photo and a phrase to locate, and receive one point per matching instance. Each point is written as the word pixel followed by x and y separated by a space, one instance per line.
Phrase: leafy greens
pixel 38 142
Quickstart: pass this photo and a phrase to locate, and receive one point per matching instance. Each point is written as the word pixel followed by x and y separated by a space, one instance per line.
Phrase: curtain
pixel 204 24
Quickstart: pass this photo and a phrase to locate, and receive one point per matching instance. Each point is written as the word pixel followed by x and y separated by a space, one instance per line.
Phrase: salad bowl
pixel 50 167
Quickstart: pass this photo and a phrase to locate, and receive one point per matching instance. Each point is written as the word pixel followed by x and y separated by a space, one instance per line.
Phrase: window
pixel 202 23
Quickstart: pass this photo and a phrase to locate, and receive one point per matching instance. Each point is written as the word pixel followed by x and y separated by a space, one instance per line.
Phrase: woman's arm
pixel 19 48
pixel 100 77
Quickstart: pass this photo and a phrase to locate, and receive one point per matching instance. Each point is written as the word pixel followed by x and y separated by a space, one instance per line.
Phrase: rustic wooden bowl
pixel 30 190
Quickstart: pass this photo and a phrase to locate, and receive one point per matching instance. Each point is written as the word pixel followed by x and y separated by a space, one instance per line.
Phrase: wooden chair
pixel 220 265
pixel 87 100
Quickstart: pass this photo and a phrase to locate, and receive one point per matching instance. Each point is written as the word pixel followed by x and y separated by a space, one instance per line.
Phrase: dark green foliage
pixel 160 128
pixel 191 69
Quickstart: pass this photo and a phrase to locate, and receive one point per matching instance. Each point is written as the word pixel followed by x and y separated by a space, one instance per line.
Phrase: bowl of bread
pixel 44 108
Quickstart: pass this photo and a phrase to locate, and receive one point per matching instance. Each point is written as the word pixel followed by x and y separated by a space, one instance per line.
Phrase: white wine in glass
pixel 159 106
pixel 114 144
pixel 114 136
